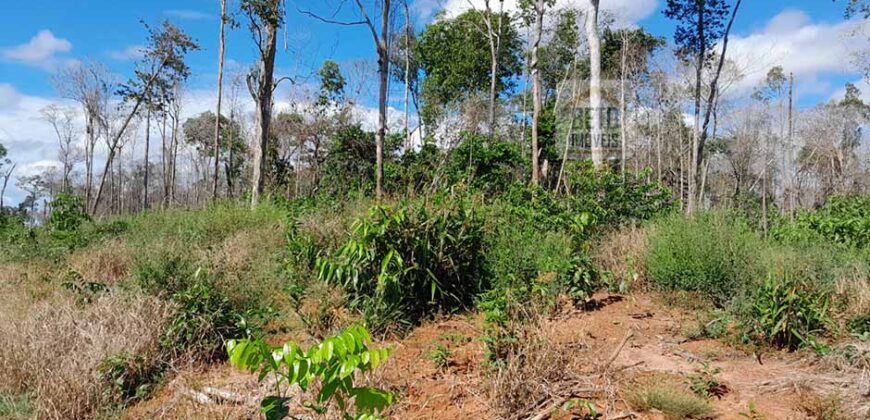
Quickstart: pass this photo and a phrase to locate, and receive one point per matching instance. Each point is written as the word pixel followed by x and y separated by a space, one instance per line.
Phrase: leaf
pixel 275 407
pixel 371 400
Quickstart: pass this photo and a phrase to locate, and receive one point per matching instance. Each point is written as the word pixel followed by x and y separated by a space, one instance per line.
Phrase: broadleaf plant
pixel 332 363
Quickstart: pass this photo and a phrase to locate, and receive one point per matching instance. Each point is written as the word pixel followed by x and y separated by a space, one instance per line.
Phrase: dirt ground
pixel 624 344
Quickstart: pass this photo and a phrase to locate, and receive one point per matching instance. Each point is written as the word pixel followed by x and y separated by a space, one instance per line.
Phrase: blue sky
pixel 37 36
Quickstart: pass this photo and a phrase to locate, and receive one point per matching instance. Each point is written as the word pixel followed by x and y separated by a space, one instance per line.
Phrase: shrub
pixel 486 165
pixel 842 219
pixel 203 320
pixel 332 363
pixel 788 313
pixel 614 197
pixel 406 261
pixel 710 253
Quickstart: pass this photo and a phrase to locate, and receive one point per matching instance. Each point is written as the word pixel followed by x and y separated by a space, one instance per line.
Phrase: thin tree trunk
pixel 407 74
pixel 6 177
pixel 536 89
pixel 594 82
pixel 571 108
pixel 791 160
pixel 622 105
pixel 701 132
pixel 147 146
pixel 220 86
pixel 383 75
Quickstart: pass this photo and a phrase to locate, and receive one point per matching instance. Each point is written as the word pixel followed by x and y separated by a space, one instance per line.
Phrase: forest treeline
pixel 542 86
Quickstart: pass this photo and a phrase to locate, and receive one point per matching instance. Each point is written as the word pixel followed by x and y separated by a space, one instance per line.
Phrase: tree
pixel 89 84
pixel 382 47
pixel 220 86
pixel 700 25
pixel 538 8
pixel 594 81
pixel 198 132
pixel 6 170
pixel 457 60
pixel 62 120
pixel 264 19
pixel 167 47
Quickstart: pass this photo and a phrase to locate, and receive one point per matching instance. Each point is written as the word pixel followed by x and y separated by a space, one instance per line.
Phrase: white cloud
pixel 808 49
pixel 133 52
pixel 40 51
pixel 625 12
pixel 187 14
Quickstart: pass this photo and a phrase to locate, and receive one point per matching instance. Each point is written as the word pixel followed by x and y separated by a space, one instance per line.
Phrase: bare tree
pixel 220 86
pixel 382 46
pixel 62 120
pixel 168 46
pixel 264 17
pixel 89 84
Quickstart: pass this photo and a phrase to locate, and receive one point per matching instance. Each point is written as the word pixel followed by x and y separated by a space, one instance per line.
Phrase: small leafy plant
pixel 332 363
pixel 440 355
pixel 705 383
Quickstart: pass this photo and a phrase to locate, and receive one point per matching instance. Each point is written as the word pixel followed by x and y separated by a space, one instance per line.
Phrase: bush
pixel 844 220
pixel 406 261
pixel 788 313
pixel 614 197
pixel 711 253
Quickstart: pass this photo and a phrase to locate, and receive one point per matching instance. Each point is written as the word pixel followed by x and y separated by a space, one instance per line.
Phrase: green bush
pixel 614 197
pixel 788 313
pixel 406 261
pixel 203 320
pixel 844 220
pixel 714 254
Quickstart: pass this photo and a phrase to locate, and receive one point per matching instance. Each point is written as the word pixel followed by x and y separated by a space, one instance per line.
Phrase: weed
pixel 705 383
pixel 673 403
pixel 751 412
pixel 440 356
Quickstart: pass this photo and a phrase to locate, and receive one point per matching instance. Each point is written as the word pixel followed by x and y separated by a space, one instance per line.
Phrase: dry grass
pixel 621 252
pixel 246 265
pixel 53 350
pixel 539 369
pixel 109 263
pixel 674 403
pixel 821 407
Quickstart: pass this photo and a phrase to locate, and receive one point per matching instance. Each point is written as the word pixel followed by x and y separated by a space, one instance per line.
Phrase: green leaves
pixel 406 261
pixel 275 408
pixel 333 362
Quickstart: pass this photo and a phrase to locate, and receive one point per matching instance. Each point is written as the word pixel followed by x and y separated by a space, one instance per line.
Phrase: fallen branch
pixel 628 335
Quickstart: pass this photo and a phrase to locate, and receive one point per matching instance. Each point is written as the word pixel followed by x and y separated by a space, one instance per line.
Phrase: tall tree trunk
pixel 594 82
pixel 220 86
pixel 407 74
pixel 230 174
pixel 494 35
pixel 791 159
pixel 147 146
pixel 696 126
pixel 536 89
pixel 262 94
pixel 383 75
pixel 700 131
pixel 90 128
pixel 622 106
